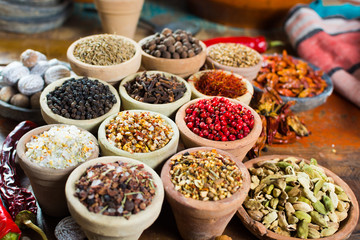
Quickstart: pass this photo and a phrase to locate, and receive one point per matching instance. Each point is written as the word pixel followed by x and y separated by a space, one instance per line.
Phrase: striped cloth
pixel 331 43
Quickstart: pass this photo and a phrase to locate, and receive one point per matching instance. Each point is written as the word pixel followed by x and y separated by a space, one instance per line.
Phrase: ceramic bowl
pixel 152 159
pixel 181 67
pixel 197 219
pixel 238 148
pixel 167 109
pixel 102 227
pixel 48 184
pixel 347 226
pixel 247 72
pixel 246 98
pixel 111 74
pixel 90 124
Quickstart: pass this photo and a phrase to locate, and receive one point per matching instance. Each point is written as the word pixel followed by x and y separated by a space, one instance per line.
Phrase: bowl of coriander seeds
pixel 107 57
pixel 234 57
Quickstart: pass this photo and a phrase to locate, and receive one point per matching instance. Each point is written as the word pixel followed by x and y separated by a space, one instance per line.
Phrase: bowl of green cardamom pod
pixel 293 198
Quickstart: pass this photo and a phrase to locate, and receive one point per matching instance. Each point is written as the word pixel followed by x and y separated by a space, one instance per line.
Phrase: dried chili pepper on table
pixel 19 201
pixel 8 229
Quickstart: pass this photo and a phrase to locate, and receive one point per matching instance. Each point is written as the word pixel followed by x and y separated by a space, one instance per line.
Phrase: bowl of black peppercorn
pixel 81 101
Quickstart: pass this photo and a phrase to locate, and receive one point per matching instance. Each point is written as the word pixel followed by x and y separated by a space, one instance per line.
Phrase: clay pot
pixel 48 184
pixel 102 227
pixel 90 124
pixel 196 219
pixel 167 109
pixel 347 226
pixel 182 67
pixel 238 148
pixel 152 159
pixel 111 74
pixel 247 72
pixel 119 16
pixel 246 98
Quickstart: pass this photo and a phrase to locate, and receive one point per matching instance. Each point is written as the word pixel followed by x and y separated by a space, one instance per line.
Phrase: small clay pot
pixel 102 227
pixel 196 219
pixel 152 159
pixel 167 109
pixel 238 148
pixel 89 124
pixel 182 67
pixel 48 184
pixel 347 226
pixel 246 98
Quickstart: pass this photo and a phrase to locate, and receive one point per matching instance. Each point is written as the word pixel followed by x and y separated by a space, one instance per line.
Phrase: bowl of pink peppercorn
pixel 221 123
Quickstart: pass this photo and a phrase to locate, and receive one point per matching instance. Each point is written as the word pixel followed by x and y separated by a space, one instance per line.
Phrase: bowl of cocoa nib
pixel 82 101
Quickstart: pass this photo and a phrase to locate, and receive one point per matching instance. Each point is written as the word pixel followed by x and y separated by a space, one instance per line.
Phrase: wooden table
pixel 334 140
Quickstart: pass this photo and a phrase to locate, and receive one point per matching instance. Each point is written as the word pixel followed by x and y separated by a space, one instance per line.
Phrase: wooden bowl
pixel 196 219
pixel 246 98
pixel 238 148
pixel 90 124
pixel 47 183
pixel 347 226
pixel 181 67
pixel 111 74
pixel 102 227
pixel 152 159
pixel 247 72
pixel 167 109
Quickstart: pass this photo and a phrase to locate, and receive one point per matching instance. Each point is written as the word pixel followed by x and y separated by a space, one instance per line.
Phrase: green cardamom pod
pixel 268 189
pixel 288 188
pixel 302 229
pixel 301 215
pixel 328 231
pixel 328 203
pixel 318 186
pixel 318 219
pixel 318 206
pixel 313 233
pixel 274 202
pixel 304 199
pixel 283 165
pixel 276 192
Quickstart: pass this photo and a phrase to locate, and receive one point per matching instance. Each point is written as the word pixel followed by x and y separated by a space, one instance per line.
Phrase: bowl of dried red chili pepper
pixel 221 123
pixel 209 83
pixel 295 80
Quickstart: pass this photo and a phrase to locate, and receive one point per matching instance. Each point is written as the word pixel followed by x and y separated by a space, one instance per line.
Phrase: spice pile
pixel 205 175
pixel 220 83
pixel 289 77
pixel 155 88
pixel 60 147
pixel 138 132
pixel 293 198
pixel 219 119
pixel 234 55
pixel 104 50
pixel 115 189
pixel 81 99
pixel 175 45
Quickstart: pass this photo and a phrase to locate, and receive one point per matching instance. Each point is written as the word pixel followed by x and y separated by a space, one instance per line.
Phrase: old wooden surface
pixel 334 126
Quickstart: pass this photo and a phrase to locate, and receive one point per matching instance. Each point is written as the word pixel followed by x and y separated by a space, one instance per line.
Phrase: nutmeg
pixel 30 84
pixel 30 57
pixel 55 73
pixel 35 100
pixel 13 72
pixel 20 100
pixel 6 93
pixel 40 68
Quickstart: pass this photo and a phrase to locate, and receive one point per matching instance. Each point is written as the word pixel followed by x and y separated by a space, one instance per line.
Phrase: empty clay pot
pixel 197 219
pixel 48 184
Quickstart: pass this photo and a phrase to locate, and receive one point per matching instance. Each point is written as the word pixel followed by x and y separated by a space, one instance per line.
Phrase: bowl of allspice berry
pixel 175 52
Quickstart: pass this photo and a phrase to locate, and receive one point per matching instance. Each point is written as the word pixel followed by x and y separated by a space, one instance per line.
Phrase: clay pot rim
pixel 260 230
pixel 193 78
pixel 235 199
pixel 120 152
pixel 45 108
pixel 112 221
pixel 180 122
pixel 72 58
pixel 127 97
pixel 20 151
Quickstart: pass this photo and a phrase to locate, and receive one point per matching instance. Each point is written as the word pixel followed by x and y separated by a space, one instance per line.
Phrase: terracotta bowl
pixel 111 74
pixel 102 227
pixel 181 67
pixel 48 184
pixel 247 72
pixel 246 98
pixel 347 226
pixel 196 219
pixel 238 148
pixel 168 109
pixel 90 124
pixel 152 159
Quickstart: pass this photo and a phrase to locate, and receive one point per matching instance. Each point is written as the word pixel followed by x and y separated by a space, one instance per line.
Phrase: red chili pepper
pixel 257 43
pixel 8 229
